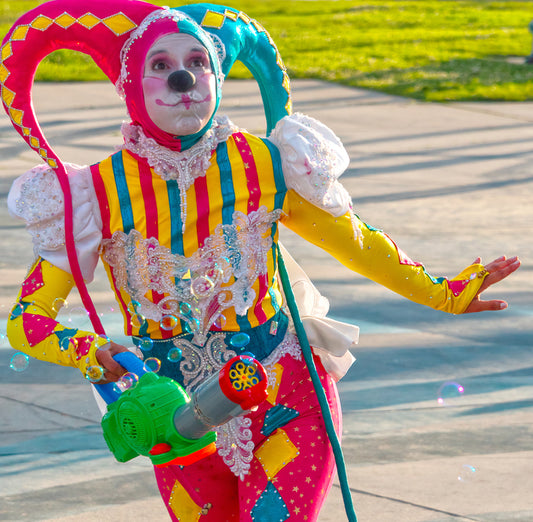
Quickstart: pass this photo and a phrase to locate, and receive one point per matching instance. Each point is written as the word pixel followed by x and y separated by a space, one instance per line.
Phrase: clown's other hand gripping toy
pixel 185 219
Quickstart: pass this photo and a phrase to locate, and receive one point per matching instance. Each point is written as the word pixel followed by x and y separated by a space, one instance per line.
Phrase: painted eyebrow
pixel 193 49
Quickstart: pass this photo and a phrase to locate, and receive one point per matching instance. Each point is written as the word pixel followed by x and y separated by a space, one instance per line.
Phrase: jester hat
pixel 112 33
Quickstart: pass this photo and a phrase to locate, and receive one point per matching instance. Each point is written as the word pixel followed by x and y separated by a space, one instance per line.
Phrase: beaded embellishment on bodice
pixel 197 289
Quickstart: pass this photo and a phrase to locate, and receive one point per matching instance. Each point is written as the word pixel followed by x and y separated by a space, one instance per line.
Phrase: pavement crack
pixel 413 504
pixel 46 408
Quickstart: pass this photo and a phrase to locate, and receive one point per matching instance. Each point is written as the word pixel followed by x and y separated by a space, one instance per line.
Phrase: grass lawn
pixel 435 50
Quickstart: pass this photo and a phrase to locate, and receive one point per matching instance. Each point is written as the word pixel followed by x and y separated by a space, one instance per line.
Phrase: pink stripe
pixel 103 203
pixel 254 197
pixel 258 309
pixel 202 206
pixel 252 178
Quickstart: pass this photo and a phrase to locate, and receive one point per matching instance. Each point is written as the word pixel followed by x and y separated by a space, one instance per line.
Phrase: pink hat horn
pixel 98 28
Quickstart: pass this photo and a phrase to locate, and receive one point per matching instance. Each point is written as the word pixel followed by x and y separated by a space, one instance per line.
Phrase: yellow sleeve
pixel 32 327
pixel 375 256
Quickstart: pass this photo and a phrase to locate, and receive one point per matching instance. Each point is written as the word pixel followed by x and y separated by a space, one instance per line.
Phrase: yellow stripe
pixel 106 171
pixel 239 177
pixel 163 211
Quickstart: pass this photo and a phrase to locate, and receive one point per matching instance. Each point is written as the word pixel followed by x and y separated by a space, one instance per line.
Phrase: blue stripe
pixel 228 203
pixel 279 199
pixel 279 180
pixel 174 202
pixel 226 183
pixel 126 210
pixel 176 234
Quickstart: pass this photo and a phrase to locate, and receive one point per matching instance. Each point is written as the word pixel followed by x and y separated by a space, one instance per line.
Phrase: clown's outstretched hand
pixel 498 269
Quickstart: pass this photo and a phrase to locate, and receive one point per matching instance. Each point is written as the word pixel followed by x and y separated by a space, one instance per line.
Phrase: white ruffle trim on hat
pixel 36 197
pixel 313 157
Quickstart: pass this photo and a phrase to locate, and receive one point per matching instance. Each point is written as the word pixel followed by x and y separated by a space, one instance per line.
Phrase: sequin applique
pixel 198 363
pixel 216 277
pixel 235 445
pixel 43 215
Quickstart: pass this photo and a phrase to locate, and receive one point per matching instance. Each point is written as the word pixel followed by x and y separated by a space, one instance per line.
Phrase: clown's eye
pixel 159 65
pixel 198 61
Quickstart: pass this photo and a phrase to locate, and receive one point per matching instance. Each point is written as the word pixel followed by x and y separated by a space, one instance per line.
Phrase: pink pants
pixel 292 468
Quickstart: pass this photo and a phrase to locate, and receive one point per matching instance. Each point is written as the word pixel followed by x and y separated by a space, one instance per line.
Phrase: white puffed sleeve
pixel 313 157
pixel 37 198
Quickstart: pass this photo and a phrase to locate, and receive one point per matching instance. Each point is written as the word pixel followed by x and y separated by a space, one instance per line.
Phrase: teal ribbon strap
pixel 319 390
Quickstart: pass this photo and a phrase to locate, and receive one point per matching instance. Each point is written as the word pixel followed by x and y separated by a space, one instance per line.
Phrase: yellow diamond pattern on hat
pixel 232 15
pixel 7 95
pixel 6 51
pixel 258 27
pixel 16 115
pixel 213 19
pixel 244 17
pixel 42 22
pixel 119 23
pixel 4 73
pixel 288 106
pixel 276 452
pixel 182 505
pixel 286 82
pixel 65 20
pixel 20 32
pixel 88 20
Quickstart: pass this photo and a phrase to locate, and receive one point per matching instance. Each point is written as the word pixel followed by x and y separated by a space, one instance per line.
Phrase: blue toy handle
pixel 109 391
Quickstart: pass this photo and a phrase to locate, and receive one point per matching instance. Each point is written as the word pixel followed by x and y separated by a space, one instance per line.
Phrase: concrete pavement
pixel 448 183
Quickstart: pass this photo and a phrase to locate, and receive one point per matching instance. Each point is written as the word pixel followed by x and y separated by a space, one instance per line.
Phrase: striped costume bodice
pixel 199 261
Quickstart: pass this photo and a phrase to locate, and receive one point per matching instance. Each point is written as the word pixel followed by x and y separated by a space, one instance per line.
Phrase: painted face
pixel 185 106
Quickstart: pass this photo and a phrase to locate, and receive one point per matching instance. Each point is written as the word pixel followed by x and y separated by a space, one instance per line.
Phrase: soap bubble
pixel 146 344
pixel 168 322
pixel 449 393
pixel 79 317
pixel 127 381
pixel 133 307
pixel 466 473
pixel 19 362
pixel 152 364
pixel 192 325
pixel 174 354
pixel 137 320
pixel 94 373
pixel 240 340
pixel 185 308
pixel 220 321
pixel 59 303
pixel 68 342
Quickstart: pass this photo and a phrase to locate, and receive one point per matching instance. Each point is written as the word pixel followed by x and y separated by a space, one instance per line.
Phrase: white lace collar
pixel 184 167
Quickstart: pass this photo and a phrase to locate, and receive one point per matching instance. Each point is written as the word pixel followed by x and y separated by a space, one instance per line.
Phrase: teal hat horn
pixel 246 40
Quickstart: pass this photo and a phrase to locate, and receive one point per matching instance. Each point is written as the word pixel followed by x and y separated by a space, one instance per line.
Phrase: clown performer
pixel 185 219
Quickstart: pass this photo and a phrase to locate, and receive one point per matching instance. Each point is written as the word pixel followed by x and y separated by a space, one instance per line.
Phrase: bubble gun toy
pixel 159 420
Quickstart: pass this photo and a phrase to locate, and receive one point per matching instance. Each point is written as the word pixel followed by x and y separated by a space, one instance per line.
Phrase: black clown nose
pixel 181 81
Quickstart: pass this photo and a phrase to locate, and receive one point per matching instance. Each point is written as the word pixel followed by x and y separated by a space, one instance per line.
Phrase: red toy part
pixel 243 380
pixel 163 447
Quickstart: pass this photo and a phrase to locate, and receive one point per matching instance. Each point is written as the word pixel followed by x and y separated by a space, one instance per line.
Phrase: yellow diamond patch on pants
pixel 276 452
